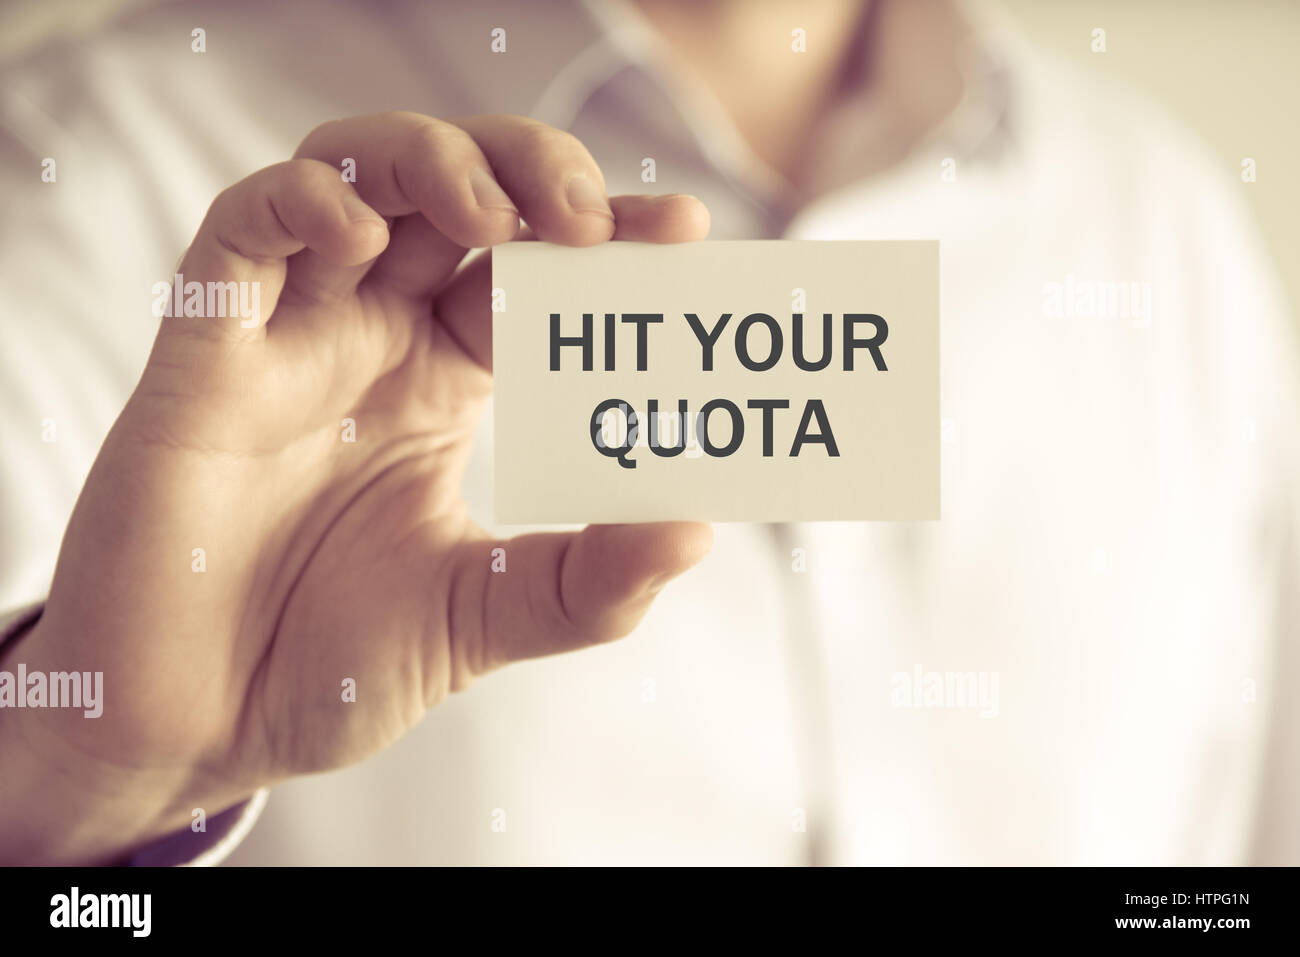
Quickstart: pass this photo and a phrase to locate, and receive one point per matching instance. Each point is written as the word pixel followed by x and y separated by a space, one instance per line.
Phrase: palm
pixel 352 652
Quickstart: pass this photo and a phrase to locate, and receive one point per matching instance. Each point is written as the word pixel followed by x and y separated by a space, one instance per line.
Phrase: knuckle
pixel 231 213
pixel 224 203
pixel 546 142
pixel 299 173
pixel 436 139
pixel 323 133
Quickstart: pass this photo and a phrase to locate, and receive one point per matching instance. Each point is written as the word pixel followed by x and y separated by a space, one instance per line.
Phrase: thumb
pixel 548 593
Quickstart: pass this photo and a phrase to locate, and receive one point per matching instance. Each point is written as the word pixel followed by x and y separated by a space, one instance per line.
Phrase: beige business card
pixel 719 381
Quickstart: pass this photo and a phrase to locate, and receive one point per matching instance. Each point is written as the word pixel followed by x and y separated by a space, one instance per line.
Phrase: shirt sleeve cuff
pixel 207 848
pixel 185 848
pixel 19 619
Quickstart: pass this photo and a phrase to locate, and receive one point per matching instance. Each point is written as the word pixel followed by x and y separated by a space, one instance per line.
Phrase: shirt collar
pixel 612 36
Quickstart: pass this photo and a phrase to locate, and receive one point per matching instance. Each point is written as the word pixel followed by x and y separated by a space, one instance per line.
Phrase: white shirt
pixel 1117 558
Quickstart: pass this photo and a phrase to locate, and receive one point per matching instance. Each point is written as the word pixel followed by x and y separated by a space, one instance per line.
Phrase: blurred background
pixel 1217 67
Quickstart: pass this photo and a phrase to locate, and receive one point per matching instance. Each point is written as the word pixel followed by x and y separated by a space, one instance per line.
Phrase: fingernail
pixel 585 196
pixel 358 211
pixel 488 192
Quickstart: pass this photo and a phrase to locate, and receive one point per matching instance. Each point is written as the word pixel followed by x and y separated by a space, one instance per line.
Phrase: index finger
pixel 406 162
pixel 469 176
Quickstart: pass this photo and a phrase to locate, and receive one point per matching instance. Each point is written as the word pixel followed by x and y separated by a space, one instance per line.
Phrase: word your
pixel 945 689
pixel 58 689
pixel 103 910
pixel 211 300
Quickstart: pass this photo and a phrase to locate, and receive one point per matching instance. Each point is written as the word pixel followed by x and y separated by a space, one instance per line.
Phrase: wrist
pixel 60 802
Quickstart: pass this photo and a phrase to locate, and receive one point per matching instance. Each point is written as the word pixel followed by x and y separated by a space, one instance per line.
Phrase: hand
pixel 324 559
